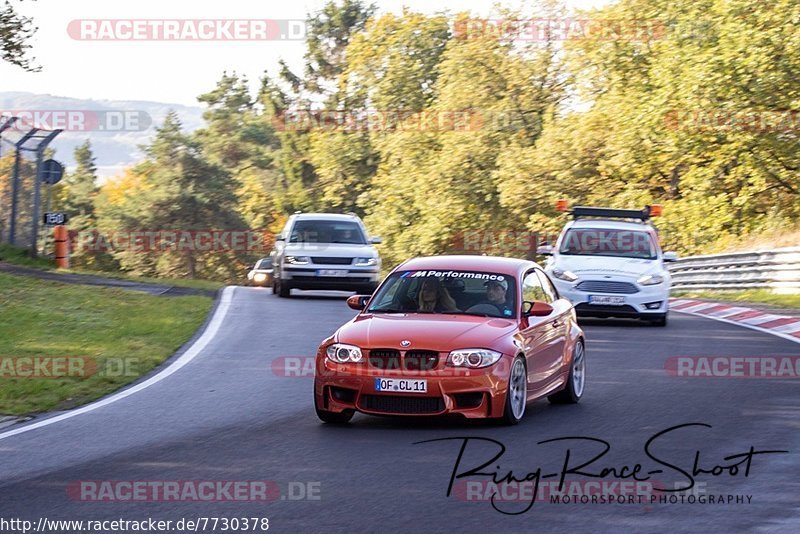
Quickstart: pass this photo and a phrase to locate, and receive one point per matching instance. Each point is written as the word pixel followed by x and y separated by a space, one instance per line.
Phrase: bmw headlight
pixel 366 262
pixel 298 260
pixel 567 276
pixel 650 280
pixel 343 353
pixel 473 358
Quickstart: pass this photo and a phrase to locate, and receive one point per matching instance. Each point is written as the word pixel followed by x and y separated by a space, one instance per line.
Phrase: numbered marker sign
pixel 55 218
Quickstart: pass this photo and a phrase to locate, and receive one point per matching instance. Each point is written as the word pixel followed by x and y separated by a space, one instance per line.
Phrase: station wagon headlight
pixel 298 260
pixel 567 276
pixel 343 353
pixel 473 358
pixel 366 262
pixel 650 280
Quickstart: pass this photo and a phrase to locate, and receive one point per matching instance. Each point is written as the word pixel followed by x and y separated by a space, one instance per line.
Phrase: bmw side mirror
pixel 358 302
pixel 544 250
pixel 536 309
pixel 670 256
pixel 376 240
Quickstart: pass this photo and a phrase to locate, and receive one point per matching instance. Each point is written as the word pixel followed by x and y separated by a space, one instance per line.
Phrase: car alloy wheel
pixel 517 394
pixel 578 370
pixel 576 382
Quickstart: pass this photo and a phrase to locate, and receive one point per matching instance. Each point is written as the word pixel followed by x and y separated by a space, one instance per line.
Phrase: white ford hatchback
pixel 608 263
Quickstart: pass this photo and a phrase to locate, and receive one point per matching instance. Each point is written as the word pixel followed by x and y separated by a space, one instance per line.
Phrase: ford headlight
pixel 298 260
pixel 650 280
pixel 343 353
pixel 567 276
pixel 366 262
pixel 473 358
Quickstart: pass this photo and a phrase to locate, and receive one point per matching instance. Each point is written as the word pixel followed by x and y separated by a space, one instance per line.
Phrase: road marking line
pixel 190 354
pixel 787 328
pixel 732 311
pixel 782 321
pixel 746 317
pixel 762 319
pixel 694 308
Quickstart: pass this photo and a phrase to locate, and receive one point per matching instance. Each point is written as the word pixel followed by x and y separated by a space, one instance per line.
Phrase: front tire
pixel 281 289
pixel 573 391
pixel 661 320
pixel 333 418
pixel 517 393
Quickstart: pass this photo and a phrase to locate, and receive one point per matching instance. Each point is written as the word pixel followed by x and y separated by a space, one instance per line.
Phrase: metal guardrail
pixel 777 269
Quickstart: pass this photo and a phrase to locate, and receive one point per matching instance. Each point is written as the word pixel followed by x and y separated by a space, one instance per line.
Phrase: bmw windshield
pixel 451 292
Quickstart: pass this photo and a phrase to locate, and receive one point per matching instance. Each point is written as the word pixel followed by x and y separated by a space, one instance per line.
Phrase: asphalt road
pixel 227 415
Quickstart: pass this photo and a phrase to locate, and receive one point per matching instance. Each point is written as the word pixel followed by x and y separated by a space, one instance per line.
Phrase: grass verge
pixel 760 296
pixel 20 256
pixel 103 337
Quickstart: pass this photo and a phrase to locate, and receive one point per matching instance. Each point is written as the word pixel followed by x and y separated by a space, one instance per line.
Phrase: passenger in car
pixel 433 297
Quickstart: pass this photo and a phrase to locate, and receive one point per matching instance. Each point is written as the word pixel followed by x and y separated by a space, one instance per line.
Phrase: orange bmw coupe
pixel 478 336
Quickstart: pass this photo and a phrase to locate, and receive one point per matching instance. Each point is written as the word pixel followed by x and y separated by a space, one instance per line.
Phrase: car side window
pixel 532 289
pixel 547 287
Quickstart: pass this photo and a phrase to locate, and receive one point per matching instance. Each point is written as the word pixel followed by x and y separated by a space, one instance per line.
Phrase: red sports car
pixel 478 336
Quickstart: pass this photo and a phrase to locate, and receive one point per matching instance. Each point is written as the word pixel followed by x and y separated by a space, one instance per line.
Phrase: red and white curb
pixel 785 326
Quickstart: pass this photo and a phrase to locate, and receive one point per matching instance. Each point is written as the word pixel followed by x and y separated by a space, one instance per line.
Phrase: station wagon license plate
pixel 332 272
pixel 401 385
pixel 607 300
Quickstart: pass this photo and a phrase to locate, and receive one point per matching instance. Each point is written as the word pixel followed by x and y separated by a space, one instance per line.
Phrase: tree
pixel 176 189
pixel 329 34
pixel 15 32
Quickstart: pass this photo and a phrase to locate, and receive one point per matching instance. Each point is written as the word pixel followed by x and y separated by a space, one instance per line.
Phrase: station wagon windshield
pixel 321 231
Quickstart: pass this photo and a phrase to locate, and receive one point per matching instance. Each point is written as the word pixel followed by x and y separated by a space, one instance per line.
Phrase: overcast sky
pixel 173 72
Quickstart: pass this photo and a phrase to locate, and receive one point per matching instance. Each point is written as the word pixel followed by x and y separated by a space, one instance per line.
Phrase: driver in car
pixel 496 291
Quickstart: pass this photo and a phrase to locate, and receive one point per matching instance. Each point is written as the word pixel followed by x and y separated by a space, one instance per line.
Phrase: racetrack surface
pixel 227 415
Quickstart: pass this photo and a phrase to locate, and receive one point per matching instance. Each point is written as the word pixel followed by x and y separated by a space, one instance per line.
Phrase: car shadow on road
pixel 597 321
pixel 365 422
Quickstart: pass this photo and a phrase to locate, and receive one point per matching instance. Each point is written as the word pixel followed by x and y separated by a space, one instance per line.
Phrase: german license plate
pixel 607 300
pixel 401 385
pixel 332 272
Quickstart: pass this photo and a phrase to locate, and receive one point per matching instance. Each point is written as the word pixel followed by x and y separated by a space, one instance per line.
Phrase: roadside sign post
pixel 37 188
pixel 52 172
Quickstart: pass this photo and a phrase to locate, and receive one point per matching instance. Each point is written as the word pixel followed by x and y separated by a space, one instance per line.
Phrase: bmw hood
pixel 439 332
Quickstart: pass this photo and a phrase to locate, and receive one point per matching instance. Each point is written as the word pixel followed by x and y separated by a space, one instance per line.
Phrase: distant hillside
pixel 114 150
